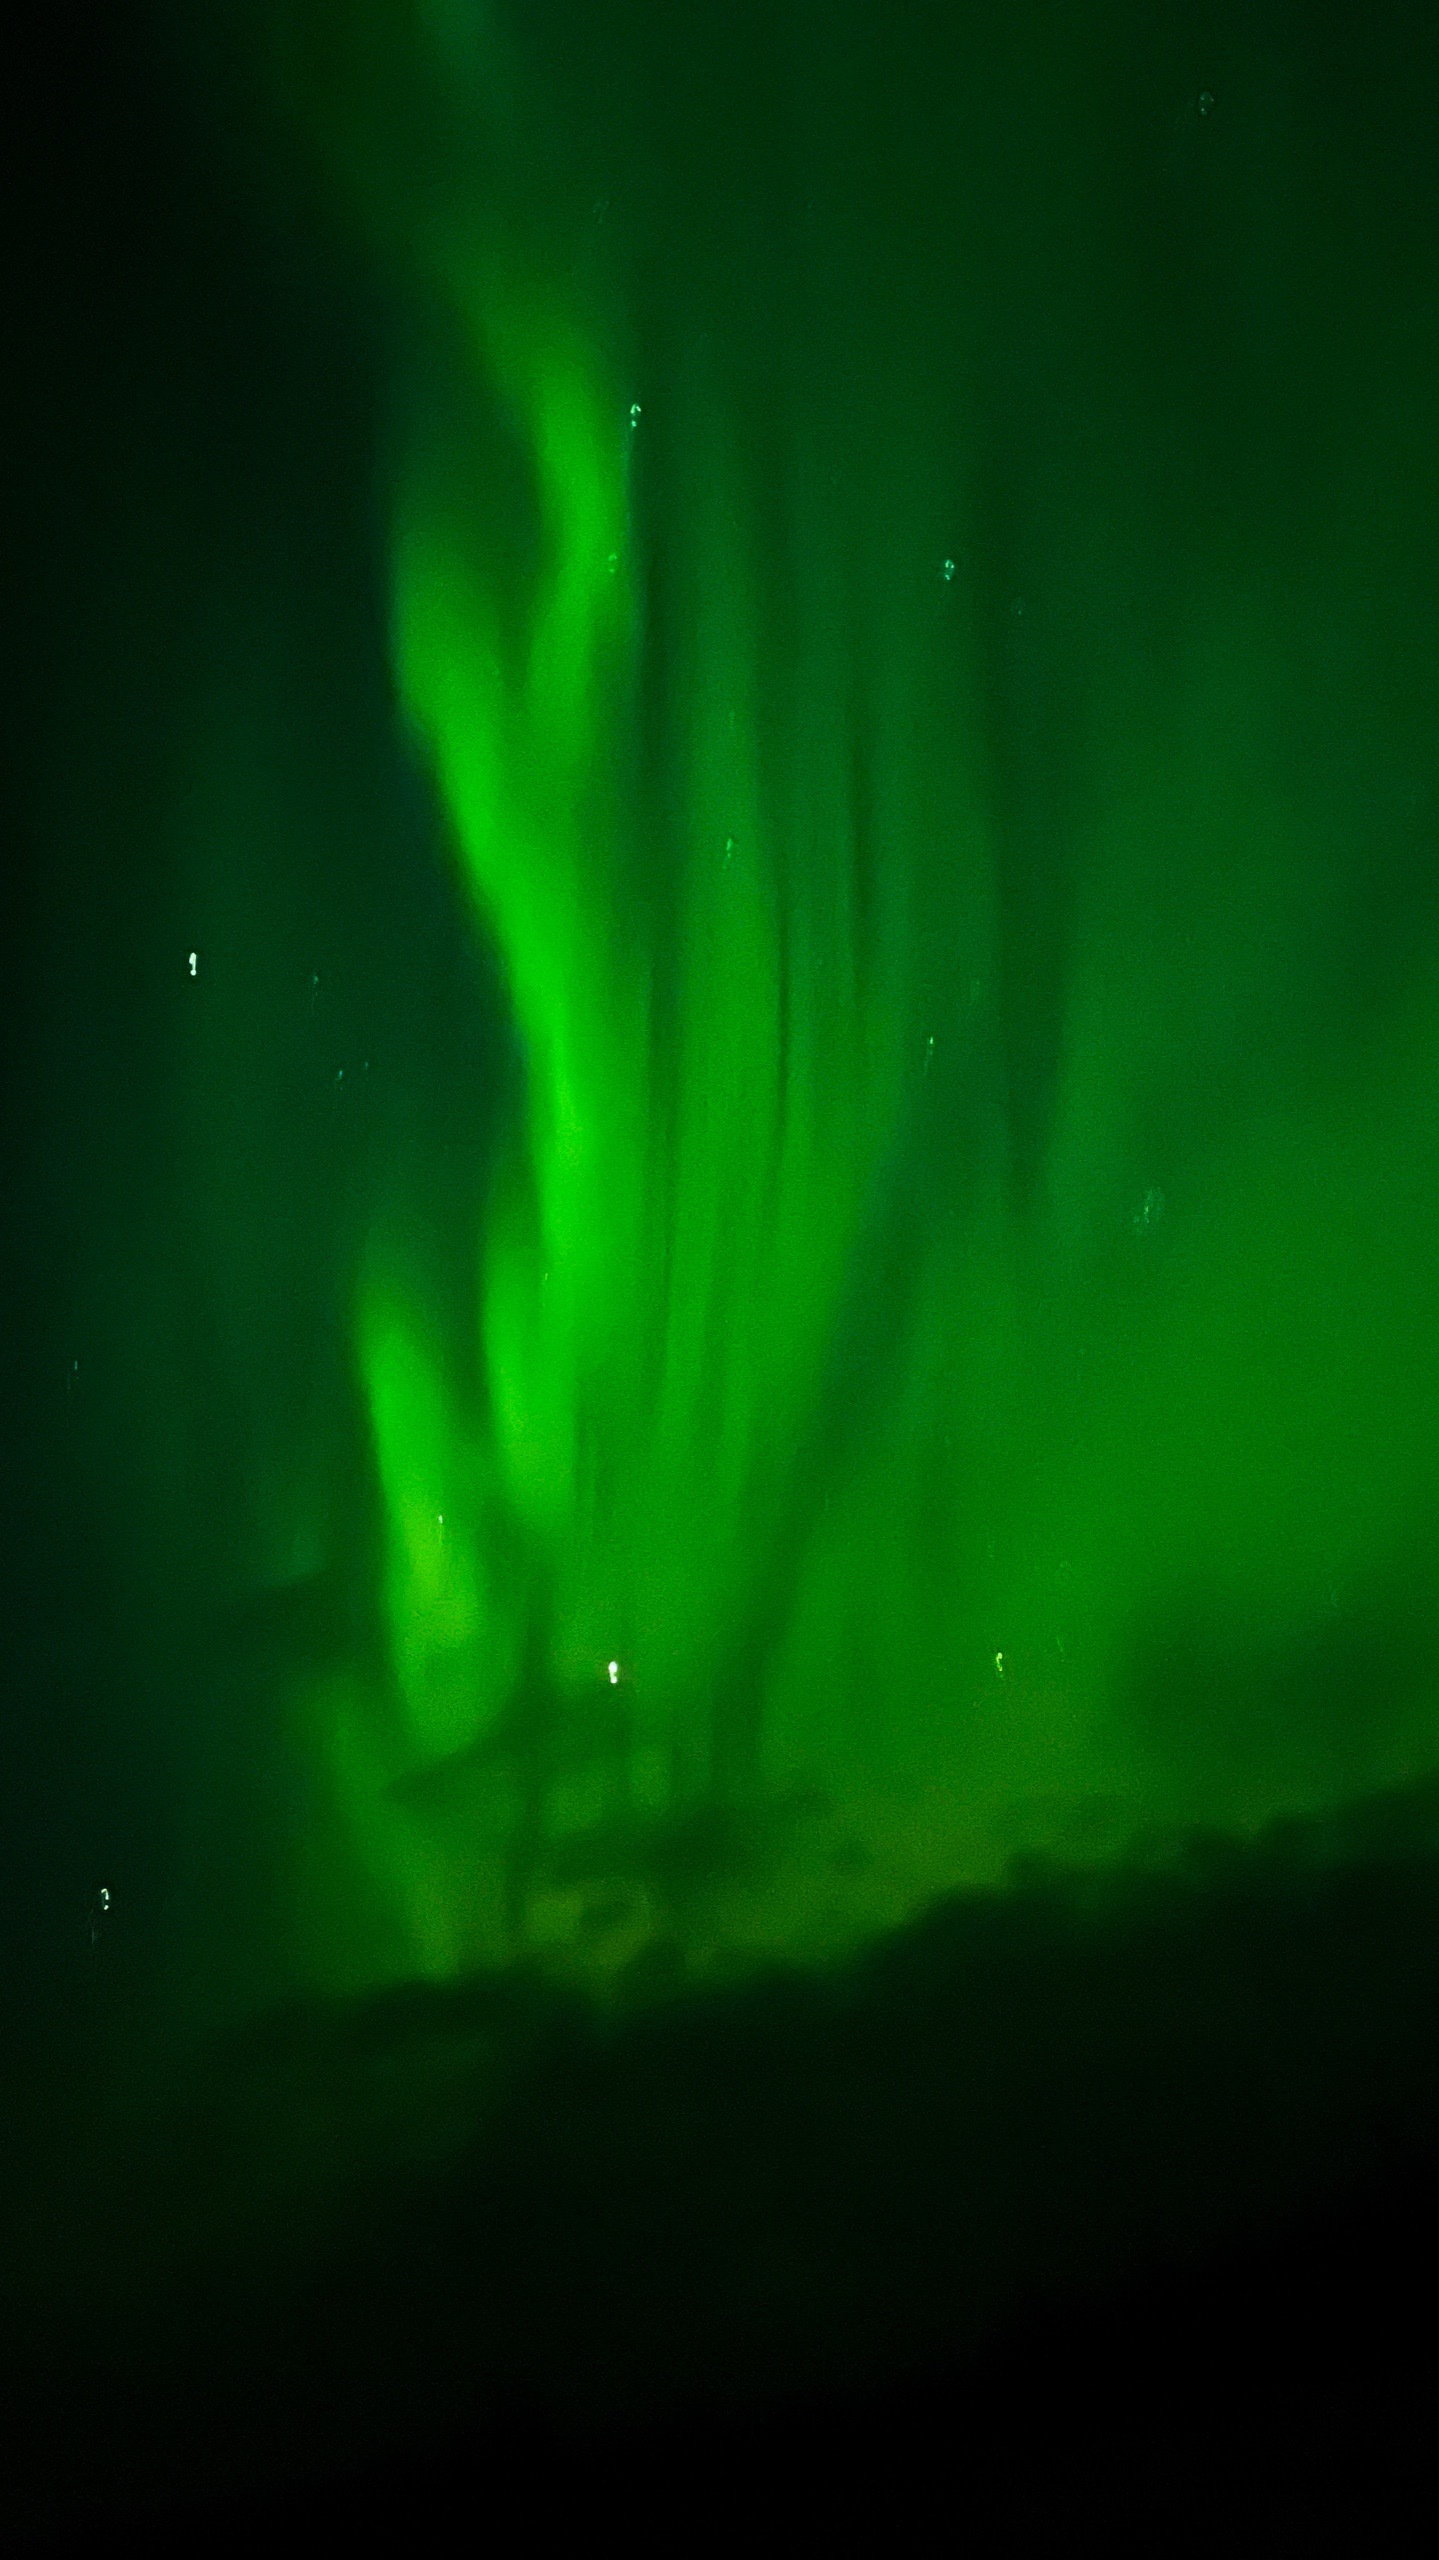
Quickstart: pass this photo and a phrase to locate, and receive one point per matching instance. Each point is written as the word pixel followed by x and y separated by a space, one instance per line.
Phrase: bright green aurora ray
pixel 800 1554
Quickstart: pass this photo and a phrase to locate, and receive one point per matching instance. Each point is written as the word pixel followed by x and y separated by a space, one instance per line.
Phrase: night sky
pixel 720 1036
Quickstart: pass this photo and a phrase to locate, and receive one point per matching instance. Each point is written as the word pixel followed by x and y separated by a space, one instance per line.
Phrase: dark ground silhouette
pixel 1095 2192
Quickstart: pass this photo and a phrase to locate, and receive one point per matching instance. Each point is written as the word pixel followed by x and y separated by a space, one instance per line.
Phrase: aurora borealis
pixel 722 1006
pixel 798 772
pixel 957 1240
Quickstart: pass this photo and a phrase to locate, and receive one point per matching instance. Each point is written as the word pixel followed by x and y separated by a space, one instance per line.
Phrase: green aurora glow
pixel 978 1401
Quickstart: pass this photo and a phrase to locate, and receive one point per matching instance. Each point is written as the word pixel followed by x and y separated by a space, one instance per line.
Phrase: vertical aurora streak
pixel 868 1438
